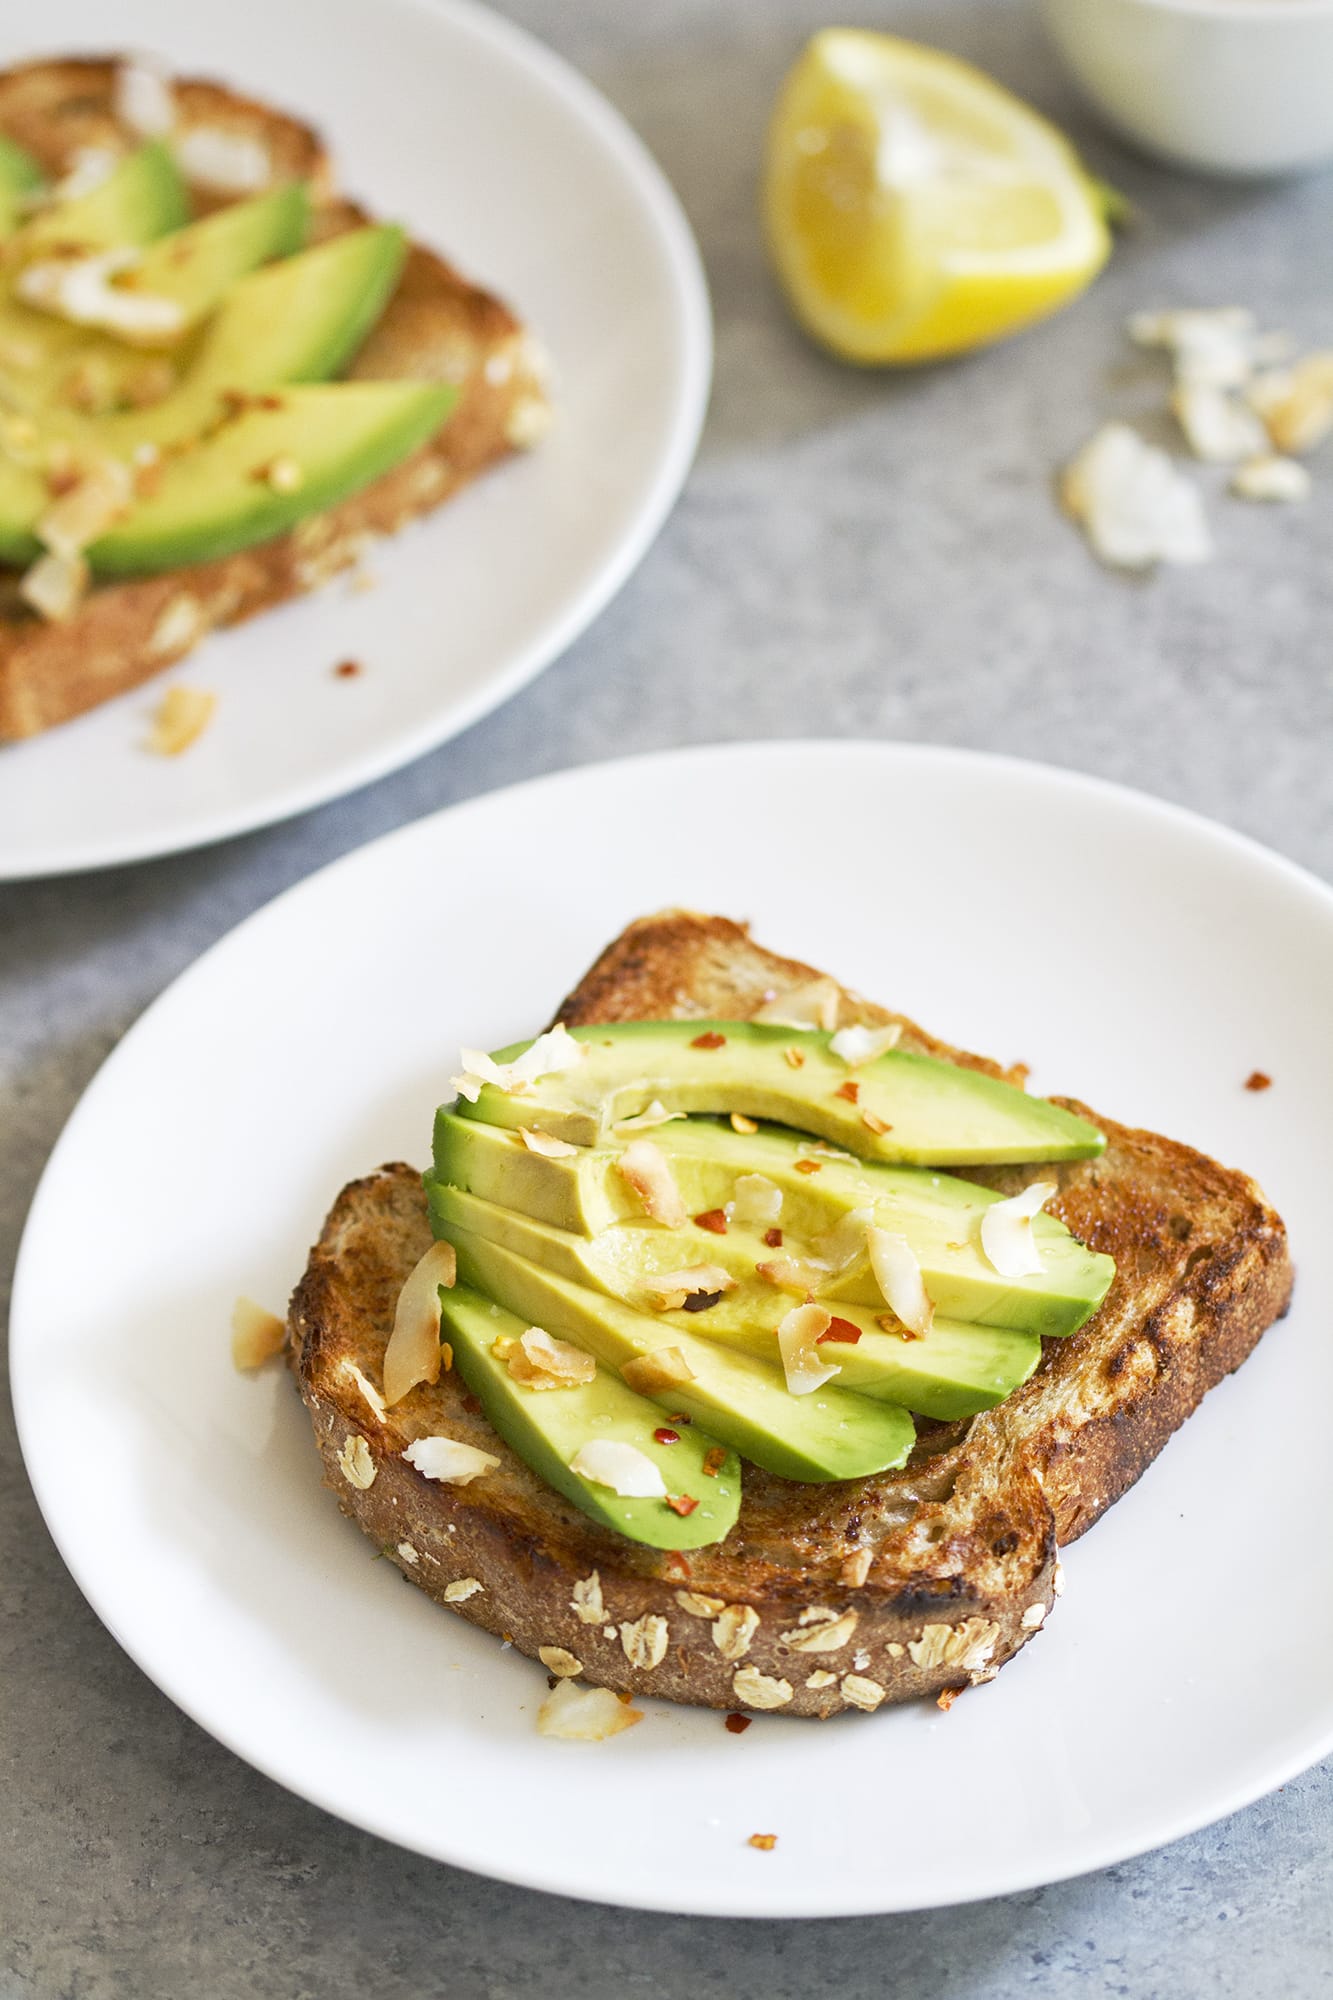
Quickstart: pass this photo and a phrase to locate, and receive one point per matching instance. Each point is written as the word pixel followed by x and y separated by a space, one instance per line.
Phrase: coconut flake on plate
pixel 898 1274
pixel 1007 1236
pixel 574 1713
pixel 256 1335
pixel 623 1467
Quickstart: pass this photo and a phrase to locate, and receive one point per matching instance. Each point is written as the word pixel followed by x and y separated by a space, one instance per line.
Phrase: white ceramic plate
pixel 487 145
pixel 1128 951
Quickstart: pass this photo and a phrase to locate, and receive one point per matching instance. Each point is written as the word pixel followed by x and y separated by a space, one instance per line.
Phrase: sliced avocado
pixel 141 199
pixel 20 175
pixel 939 1214
pixel 197 266
pixel 547 1427
pixel 953 1371
pixel 221 495
pixel 924 1112
pixel 745 1403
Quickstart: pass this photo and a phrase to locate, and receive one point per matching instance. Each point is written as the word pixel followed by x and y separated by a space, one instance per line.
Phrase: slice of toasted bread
pixel 436 327
pixel 822 1597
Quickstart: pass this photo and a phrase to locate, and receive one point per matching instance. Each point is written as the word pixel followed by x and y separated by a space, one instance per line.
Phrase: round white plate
pixel 1140 957
pixel 445 116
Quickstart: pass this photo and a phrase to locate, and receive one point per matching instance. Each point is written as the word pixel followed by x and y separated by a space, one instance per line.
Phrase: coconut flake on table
pixel 1135 506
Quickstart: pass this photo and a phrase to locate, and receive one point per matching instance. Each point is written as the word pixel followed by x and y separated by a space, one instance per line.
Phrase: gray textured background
pixel 853 555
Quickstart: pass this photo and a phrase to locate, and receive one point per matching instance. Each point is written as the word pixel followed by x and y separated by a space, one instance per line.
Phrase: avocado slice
pixel 141 198
pixel 743 1402
pixel 546 1427
pixel 939 1214
pixel 925 1112
pixel 953 1371
pixel 217 497
pixel 197 266
pixel 20 175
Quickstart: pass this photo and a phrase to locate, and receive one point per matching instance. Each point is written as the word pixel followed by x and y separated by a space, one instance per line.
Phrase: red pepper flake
pixel 737 1724
pixel 946 1698
pixel 470 1403
pixel 61 481
pixel 845 1331
pixel 679 1418
pixel 851 1091
pixel 808 1166
pixel 714 1219
pixel 1258 1080
pixel 681 1503
pixel 765 1842
pixel 664 1436
pixel 773 1238
pixel 714 1460
pixel 710 1039
pixel 347 670
pixel 676 1565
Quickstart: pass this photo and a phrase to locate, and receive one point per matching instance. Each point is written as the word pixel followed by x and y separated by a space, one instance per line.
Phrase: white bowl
pixel 1227 86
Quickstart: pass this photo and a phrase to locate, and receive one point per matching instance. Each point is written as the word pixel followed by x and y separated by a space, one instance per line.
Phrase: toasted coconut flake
pixel 623 1467
pixel 663 1368
pixel 543 1144
pixel 1217 428
pixel 747 1127
pixel 699 1606
pixel 100 494
pixel 461 1589
pixel 647 1121
pixel 256 1335
pixel 1033 1617
pixel 1211 345
pixel 180 719
pixel 898 1275
pixel 856 1567
pixel 858 1045
pixel 1299 411
pixel 861 1693
pixel 847 1242
pixel 219 157
pixel 1134 504
pixel 80 289
pixel 1007 1237
pixel 666 1291
pixel 55 586
pixel 88 168
pixel 1271 478
pixel 756 1202
pixel 586 1600
pixel 733 1629
pixel 801 1275
pixel 830 1635
pixel 813 1004
pixel 559 1660
pixel 142 97
pixel 180 626
pixel 758 1690
pixel 549 1055
pixel 798 1344
pixel 645 1641
pixel 448 1460
pixel 643 1166
pixel 538 1361
pixel 577 1714
pixel 363 1383
pixel 355 1462
pixel 413 1352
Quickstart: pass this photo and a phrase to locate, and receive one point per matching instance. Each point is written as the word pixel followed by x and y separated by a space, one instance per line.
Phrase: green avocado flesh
pixel 548 1427
pixel 217 498
pixel 198 265
pixel 939 1214
pixel 141 199
pixel 954 1371
pixel 742 1401
pixel 936 1113
pixel 20 175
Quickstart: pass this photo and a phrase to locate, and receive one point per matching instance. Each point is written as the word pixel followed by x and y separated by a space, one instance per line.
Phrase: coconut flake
pixel 845 1244
pixel 668 1290
pixel 544 1145
pixel 1271 478
pixel 898 1275
pixel 858 1045
pixel 574 1713
pixel 181 717
pixel 1136 507
pixel 661 1368
pixel 80 290
pixel 413 1353
pixel 256 1335
pixel 538 1361
pixel 102 493
pixel 644 1167
pixel 623 1467
pixel 449 1460
pixel 217 156
pixel 647 1121
pixel 813 1004
pixel 1212 346
pixel 756 1202
pixel 1217 428
pixel 55 586
pixel 798 1344
pixel 548 1055
pixel 143 99
pixel 1007 1236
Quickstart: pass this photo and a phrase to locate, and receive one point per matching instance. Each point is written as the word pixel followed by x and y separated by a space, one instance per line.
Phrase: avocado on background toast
pixel 435 328
pixel 822 1598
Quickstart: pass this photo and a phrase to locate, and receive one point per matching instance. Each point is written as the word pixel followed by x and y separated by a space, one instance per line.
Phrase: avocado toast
pixel 829 1594
pixel 221 381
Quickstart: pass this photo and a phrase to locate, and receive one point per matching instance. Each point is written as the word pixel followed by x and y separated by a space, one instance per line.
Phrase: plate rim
pixel 660 206
pixel 1221 1801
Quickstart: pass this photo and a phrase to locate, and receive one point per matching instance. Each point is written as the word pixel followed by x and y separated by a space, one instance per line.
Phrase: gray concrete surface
pixel 853 555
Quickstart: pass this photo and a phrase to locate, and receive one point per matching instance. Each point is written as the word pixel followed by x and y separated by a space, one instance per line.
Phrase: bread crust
pixel 936 1574
pixel 437 326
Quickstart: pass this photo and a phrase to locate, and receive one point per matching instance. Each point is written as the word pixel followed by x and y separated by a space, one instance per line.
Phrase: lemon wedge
pixel 915 208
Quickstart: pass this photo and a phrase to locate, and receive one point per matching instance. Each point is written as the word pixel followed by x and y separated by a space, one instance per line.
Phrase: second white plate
pixel 1137 956
pixel 493 151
